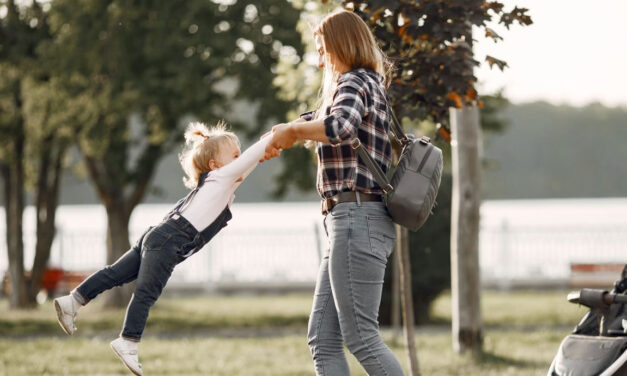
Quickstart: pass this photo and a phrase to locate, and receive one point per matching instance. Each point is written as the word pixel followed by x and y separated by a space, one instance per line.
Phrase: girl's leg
pixel 124 270
pixel 324 335
pixel 156 268
pixel 362 239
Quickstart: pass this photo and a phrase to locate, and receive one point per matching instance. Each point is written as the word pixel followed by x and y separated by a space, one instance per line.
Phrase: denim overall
pixel 151 262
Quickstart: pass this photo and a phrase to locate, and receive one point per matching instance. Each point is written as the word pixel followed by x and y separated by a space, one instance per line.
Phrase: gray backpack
pixel 410 194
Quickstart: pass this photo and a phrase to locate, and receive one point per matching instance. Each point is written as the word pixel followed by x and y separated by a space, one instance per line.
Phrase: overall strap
pixel 182 203
pixel 203 237
pixel 210 231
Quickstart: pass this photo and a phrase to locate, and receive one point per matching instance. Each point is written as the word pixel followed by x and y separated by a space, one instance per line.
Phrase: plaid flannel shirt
pixel 358 110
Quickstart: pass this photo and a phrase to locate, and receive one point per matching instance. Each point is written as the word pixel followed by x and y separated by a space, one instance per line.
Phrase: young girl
pixel 361 232
pixel 214 170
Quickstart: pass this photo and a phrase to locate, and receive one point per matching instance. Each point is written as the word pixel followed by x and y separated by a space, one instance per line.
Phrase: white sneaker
pixel 67 308
pixel 127 352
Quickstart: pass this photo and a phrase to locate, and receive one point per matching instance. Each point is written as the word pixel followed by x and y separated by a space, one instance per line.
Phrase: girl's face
pixel 229 151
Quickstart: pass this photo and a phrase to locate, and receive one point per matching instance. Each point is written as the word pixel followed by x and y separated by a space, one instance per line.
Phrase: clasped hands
pixel 283 137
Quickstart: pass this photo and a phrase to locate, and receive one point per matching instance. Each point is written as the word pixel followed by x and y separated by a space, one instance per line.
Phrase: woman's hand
pixel 283 137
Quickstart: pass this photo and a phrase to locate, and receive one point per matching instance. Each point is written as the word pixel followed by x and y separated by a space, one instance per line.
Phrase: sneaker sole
pixel 57 307
pixel 123 362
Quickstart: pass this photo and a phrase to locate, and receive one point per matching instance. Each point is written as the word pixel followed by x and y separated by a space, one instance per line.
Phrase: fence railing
pixel 288 253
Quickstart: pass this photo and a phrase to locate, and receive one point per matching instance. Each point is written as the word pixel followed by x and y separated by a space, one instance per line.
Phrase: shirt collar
pixel 376 75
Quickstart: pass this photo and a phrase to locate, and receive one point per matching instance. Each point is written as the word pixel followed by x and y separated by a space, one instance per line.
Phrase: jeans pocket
pixel 156 239
pixel 382 236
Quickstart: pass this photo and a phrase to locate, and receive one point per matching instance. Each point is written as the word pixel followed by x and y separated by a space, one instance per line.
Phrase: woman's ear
pixel 213 164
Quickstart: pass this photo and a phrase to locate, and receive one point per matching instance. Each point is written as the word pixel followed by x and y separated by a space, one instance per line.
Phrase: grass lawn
pixel 266 335
pixel 512 353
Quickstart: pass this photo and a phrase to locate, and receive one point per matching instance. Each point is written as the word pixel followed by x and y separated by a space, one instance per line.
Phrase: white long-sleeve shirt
pixel 218 190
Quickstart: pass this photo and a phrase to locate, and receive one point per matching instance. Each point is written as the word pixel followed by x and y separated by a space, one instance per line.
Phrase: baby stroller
pixel 597 346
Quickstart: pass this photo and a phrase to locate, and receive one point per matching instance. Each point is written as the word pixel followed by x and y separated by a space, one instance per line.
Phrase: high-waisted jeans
pixel 348 291
pixel 151 262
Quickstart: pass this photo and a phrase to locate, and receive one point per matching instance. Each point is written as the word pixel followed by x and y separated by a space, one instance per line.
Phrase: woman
pixel 361 233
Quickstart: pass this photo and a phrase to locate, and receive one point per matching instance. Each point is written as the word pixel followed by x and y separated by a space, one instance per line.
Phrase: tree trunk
pixel 13 177
pixel 466 199
pixel 117 245
pixel 406 298
pixel 47 199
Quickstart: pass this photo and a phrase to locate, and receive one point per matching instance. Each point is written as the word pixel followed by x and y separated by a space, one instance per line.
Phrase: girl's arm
pixel 245 163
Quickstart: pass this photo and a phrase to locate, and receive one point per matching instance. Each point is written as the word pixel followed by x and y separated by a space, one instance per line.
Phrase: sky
pixel 575 52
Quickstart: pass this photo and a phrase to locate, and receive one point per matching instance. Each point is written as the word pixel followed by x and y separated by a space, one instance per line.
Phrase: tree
pixel 33 153
pixel 145 68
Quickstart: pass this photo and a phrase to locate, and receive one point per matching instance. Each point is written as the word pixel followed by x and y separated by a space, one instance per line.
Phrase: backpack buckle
pixel 387 189
pixel 355 143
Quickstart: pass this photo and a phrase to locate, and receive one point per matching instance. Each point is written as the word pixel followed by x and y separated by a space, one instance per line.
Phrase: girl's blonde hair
pixel 348 39
pixel 202 145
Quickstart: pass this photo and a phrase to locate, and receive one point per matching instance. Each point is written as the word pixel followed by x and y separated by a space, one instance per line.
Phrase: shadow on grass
pixel 498 360
pixel 28 327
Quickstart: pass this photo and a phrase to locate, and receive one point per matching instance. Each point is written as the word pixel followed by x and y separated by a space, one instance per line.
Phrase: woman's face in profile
pixel 320 49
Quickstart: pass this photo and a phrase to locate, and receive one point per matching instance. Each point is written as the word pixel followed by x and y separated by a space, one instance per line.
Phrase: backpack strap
pixel 374 168
pixel 395 125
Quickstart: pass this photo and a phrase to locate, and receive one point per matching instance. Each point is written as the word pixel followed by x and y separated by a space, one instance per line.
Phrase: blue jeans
pixel 348 291
pixel 151 262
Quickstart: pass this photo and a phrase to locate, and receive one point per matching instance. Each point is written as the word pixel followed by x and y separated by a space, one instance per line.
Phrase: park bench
pixel 594 274
pixel 55 281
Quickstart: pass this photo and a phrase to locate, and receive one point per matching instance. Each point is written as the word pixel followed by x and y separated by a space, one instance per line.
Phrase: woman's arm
pixel 341 124
pixel 284 136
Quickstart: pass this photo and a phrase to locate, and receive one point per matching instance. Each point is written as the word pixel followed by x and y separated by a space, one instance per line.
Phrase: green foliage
pixel 21 30
pixel 146 66
pixel 431 45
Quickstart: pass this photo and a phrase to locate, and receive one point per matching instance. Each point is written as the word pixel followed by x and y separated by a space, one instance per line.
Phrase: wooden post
pixel 402 237
pixel 466 199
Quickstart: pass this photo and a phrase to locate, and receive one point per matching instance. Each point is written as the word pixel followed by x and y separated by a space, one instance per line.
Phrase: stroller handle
pixel 594 298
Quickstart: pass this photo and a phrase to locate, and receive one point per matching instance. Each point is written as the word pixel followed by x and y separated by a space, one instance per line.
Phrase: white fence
pixel 280 245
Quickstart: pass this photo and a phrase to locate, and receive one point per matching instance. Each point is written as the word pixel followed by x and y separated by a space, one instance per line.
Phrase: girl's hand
pixel 283 137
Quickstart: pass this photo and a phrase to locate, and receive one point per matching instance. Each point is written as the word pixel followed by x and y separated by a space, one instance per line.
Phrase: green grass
pixel 517 309
pixel 507 353
pixel 266 335
pixel 181 315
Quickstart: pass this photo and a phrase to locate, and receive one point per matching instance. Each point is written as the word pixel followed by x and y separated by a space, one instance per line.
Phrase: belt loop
pixel 358 199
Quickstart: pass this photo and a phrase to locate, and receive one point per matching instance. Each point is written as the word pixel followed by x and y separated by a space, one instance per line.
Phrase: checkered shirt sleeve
pixel 358 110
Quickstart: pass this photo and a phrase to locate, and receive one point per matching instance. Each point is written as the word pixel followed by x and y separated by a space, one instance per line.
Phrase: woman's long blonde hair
pixel 348 39
pixel 202 145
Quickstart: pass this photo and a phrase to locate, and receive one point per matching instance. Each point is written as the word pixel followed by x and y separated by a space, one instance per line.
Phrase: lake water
pixel 281 243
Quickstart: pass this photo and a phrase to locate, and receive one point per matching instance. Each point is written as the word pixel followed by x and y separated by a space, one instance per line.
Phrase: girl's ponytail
pixel 196 133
